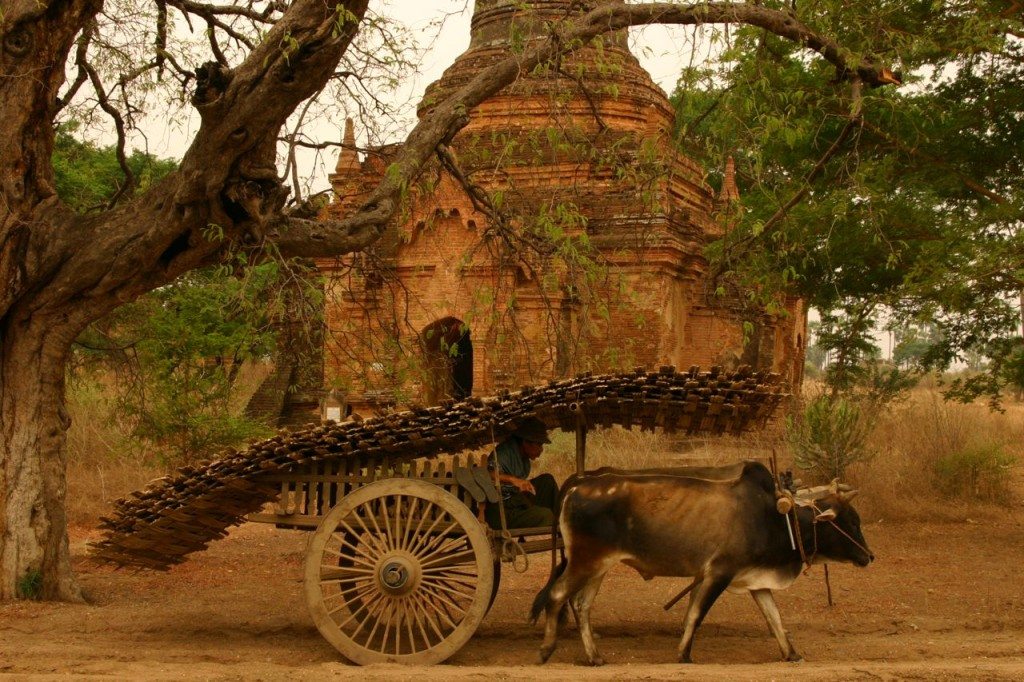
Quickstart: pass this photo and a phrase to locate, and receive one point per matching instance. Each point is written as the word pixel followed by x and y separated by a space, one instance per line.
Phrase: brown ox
pixel 718 526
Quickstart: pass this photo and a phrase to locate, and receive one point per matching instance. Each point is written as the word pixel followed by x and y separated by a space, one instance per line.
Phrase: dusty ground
pixel 943 601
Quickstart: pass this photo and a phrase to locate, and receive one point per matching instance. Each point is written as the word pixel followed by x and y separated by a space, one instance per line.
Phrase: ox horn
pixel 811 494
pixel 844 487
pixel 848 495
pixel 827 515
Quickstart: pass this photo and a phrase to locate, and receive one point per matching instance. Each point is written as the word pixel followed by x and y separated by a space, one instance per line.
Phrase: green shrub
pixel 30 585
pixel 979 472
pixel 828 435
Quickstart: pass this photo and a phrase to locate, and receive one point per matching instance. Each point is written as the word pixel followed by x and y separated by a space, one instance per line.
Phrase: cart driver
pixel 529 502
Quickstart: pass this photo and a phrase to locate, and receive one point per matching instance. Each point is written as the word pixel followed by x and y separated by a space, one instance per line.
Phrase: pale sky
pixel 441 28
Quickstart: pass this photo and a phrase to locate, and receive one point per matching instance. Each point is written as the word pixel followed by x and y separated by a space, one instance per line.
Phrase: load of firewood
pixel 181 513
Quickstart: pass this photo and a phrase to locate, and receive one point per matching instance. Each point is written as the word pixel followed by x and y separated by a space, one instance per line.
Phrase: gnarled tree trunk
pixel 34 557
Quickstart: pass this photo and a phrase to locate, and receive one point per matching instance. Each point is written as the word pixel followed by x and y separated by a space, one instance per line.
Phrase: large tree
pixel 905 209
pixel 62 270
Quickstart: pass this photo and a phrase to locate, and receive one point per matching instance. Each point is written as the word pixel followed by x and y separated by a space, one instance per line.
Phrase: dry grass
pixel 636 449
pixel 915 442
pixel 104 463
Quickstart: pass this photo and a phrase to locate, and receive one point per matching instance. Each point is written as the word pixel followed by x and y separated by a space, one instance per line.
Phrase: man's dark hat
pixel 533 430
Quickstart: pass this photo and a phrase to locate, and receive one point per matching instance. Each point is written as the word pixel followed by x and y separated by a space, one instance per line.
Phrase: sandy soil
pixel 943 601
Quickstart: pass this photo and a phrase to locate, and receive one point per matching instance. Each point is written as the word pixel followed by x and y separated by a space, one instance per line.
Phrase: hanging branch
pixel 101 95
pixel 293 166
pixel 855 120
pixel 211 35
pixel 161 36
pixel 80 60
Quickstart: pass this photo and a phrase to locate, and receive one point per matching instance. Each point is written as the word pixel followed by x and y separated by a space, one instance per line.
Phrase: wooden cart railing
pixel 305 496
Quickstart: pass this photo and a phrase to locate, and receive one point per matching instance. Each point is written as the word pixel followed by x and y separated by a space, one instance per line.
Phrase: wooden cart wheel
pixel 399 571
pixel 359 547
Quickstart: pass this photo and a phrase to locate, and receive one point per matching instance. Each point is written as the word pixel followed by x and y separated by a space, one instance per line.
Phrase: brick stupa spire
pixel 348 159
pixel 729 192
pixel 348 169
pixel 584 146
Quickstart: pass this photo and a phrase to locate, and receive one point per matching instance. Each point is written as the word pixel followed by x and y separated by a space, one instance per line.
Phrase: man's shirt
pixel 511 462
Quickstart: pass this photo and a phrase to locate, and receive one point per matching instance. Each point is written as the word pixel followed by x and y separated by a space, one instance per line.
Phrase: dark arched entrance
pixel 448 355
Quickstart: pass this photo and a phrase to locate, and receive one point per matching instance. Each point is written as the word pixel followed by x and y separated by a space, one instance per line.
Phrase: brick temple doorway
pixel 448 355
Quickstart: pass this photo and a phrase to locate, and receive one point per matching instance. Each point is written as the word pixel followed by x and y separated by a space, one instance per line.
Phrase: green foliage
pixel 30 585
pixel 913 342
pixel 88 176
pixel 1013 365
pixel 830 434
pixel 918 209
pixel 833 429
pixel 847 334
pixel 977 472
pixel 815 355
pixel 177 352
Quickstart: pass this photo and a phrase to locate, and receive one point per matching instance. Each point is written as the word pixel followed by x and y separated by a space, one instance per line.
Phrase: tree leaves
pixel 919 212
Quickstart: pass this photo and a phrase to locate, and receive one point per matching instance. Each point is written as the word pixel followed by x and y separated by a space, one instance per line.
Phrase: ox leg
pixel 584 601
pixel 701 600
pixel 766 602
pixel 565 588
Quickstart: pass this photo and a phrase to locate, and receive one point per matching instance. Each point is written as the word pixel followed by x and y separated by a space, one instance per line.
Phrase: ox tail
pixel 540 602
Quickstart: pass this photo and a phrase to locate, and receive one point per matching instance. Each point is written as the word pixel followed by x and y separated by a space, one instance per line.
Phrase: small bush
pixel 829 435
pixel 981 472
pixel 903 480
pixel 30 585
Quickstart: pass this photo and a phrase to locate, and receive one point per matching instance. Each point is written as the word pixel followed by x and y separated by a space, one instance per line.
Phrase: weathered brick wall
pixel 541 150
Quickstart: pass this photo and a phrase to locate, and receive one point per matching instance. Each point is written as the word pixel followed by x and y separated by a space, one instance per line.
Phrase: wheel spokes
pixel 399 574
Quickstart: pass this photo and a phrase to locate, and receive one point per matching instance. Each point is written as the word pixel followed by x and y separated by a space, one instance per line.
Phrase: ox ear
pixel 849 494
pixel 827 515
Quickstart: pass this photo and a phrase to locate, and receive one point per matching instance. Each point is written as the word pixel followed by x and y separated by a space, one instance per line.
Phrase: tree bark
pixel 34 557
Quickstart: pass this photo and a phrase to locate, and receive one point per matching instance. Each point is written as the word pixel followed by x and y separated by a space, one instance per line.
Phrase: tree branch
pixel 449 116
pixel 111 110
pixel 80 57
pixel 968 182
pixel 204 10
pixel 819 167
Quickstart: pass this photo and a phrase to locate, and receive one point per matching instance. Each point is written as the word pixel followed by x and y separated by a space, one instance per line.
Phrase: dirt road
pixel 943 601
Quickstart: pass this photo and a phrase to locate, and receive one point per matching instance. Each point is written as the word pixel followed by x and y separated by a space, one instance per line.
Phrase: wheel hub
pixel 398 573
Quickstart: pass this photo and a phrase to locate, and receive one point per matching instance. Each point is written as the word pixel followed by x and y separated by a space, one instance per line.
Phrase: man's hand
pixel 520 484
pixel 524 486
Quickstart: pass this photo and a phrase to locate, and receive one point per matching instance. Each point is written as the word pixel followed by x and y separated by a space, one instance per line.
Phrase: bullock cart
pixel 400 566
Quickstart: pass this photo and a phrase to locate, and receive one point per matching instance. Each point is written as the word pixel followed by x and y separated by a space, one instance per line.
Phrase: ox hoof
pixel 595 661
pixel 545 653
pixel 794 658
pixel 685 658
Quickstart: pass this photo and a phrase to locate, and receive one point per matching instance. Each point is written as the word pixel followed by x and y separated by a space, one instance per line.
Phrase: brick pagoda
pixel 588 257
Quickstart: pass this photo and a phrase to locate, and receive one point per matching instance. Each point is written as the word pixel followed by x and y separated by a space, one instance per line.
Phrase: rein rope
pixel 847 536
